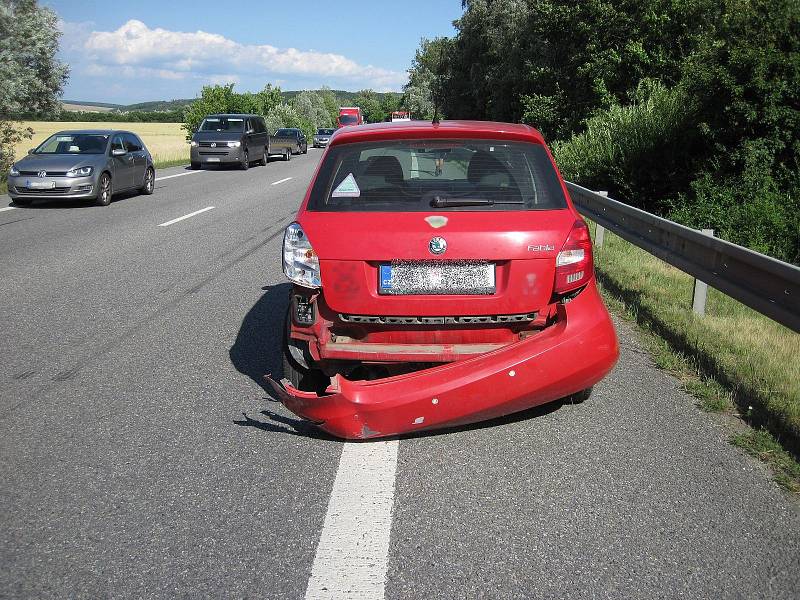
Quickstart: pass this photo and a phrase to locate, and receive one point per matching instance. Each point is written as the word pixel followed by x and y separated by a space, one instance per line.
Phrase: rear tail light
pixel 574 264
pixel 300 262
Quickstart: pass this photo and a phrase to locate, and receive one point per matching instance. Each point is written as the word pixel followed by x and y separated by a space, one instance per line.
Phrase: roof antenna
pixel 437 88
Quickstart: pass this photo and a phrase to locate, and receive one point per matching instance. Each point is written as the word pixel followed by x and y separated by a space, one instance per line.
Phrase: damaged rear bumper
pixel 567 357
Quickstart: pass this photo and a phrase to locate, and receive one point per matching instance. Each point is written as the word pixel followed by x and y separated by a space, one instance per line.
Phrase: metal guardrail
pixel 765 284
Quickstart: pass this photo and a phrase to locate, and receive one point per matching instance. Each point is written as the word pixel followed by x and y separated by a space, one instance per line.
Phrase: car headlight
pixel 234 144
pixel 193 144
pixel 80 172
pixel 13 171
pixel 300 262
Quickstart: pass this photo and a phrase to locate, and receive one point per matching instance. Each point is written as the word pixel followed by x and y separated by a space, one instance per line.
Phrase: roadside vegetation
pixel 687 108
pixel 733 359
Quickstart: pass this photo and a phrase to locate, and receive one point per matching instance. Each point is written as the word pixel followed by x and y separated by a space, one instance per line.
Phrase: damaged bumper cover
pixel 573 354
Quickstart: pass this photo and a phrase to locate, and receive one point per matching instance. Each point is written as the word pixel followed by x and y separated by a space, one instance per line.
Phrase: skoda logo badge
pixel 42 173
pixel 437 245
pixel 213 144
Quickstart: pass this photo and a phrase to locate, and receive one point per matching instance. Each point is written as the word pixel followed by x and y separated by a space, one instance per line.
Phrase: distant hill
pixel 344 97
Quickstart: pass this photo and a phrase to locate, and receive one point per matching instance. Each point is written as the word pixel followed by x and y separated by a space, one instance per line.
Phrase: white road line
pixel 281 180
pixel 178 175
pixel 353 552
pixel 197 212
pixel 7 208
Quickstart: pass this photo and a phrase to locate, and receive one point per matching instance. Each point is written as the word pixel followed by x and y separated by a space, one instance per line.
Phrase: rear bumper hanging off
pixel 571 355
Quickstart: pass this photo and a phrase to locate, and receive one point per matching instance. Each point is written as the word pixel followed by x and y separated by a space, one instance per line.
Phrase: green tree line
pixel 686 108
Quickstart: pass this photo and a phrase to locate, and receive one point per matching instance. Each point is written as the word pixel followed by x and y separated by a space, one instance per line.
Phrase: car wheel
pixel 287 155
pixel 305 150
pixel 302 378
pixel 149 182
pixel 22 201
pixel 264 159
pixel 195 166
pixel 245 161
pixel 579 397
pixel 105 191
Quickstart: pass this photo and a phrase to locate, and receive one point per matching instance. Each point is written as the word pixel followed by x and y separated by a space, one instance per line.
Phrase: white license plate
pixel 212 159
pixel 436 278
pixel 40 185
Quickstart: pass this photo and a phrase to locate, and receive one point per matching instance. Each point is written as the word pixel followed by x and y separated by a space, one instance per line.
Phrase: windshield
pixel 424 175
pixel 324 131
pixel 73 143
pixel 348 119
pixel 222 124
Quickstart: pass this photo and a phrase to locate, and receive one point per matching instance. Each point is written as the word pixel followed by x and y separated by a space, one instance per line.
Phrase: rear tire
pixel 305 150
pixel 287 155
pixel 579 397
pixel 105 190
pixel 23 201
pixel 306 380
pixel 264 159
pixel 149 182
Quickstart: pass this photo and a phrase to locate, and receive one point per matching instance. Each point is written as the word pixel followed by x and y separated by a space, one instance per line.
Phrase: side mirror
pixel 118 152
pixel 31 151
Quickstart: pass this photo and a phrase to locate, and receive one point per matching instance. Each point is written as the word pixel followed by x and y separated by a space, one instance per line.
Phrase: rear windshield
pixel 348 119
pixel 222 124
pixel 324 131
pixel 286 133
pixel 441 175
pixel 73 143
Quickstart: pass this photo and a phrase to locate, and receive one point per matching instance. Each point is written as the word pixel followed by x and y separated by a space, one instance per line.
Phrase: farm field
pixel 166 141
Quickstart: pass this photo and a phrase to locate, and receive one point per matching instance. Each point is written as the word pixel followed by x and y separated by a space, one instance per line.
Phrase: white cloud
pixel 135 50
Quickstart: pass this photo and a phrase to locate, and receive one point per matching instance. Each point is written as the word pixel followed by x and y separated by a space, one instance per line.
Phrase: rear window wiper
pixel 439 202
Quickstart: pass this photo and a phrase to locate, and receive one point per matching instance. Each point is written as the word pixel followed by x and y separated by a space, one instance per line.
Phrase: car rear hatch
pixel 492 263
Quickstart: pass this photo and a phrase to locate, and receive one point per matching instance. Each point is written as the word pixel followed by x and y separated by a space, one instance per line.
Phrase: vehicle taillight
pixel 574 264
pixel 300 262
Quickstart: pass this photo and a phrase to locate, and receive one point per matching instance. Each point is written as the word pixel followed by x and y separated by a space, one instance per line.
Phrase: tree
pixel 370 105
pixel 427 68
pixel 32 78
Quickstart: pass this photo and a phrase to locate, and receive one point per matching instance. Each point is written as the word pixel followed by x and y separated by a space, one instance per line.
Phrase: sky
pixel 127 52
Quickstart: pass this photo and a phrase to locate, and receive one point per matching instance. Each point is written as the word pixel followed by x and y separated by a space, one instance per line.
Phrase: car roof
pixel 92 131
pixel 443 130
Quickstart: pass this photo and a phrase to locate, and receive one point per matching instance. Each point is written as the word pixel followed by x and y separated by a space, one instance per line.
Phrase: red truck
pixel 349 115
pixel 441 276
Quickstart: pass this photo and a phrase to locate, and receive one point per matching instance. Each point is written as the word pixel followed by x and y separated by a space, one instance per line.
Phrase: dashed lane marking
pixel 282 180
pixel 197 212
pixel 178 175
pixel 353 552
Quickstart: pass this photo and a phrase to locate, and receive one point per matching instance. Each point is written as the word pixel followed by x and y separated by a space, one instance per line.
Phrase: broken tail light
pixel 574 264
pixel 300 262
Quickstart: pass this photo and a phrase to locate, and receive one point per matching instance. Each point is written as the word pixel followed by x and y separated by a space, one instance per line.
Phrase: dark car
pixel 91 164
pixel 440 276
pixel 238 139
pixel 294 137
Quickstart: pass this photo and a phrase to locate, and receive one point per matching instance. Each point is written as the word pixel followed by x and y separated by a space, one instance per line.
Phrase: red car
pixel 441 276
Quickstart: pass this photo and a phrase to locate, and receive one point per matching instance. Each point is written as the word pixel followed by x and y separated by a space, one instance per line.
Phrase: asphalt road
pixel 141 456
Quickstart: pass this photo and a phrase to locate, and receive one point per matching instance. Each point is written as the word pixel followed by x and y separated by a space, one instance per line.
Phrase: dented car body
pixel 441 276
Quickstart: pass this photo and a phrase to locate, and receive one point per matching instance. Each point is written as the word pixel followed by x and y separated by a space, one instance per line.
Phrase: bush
pixel 636 152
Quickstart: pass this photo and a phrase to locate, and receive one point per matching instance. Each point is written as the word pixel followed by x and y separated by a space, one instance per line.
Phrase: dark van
pixel 230 139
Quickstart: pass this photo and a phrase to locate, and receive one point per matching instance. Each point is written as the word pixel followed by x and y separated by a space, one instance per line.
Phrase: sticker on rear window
pixel 347 189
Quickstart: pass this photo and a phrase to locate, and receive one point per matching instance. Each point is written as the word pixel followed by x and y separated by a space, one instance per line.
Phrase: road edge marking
pixel 352 557
pixel 8 208
pixel 197 212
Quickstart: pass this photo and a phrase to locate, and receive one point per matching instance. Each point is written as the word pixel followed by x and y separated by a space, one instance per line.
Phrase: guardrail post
pixel 701 288
pixel 600 231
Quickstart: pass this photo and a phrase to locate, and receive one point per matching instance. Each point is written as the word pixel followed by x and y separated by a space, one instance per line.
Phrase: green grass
pixel 761 444
pixel 732 360
pixel 176 162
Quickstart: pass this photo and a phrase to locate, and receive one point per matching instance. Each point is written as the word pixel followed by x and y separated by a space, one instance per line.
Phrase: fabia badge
pixel 437 245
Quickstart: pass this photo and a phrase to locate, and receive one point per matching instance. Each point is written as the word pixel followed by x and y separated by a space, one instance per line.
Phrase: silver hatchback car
pixel 92 164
